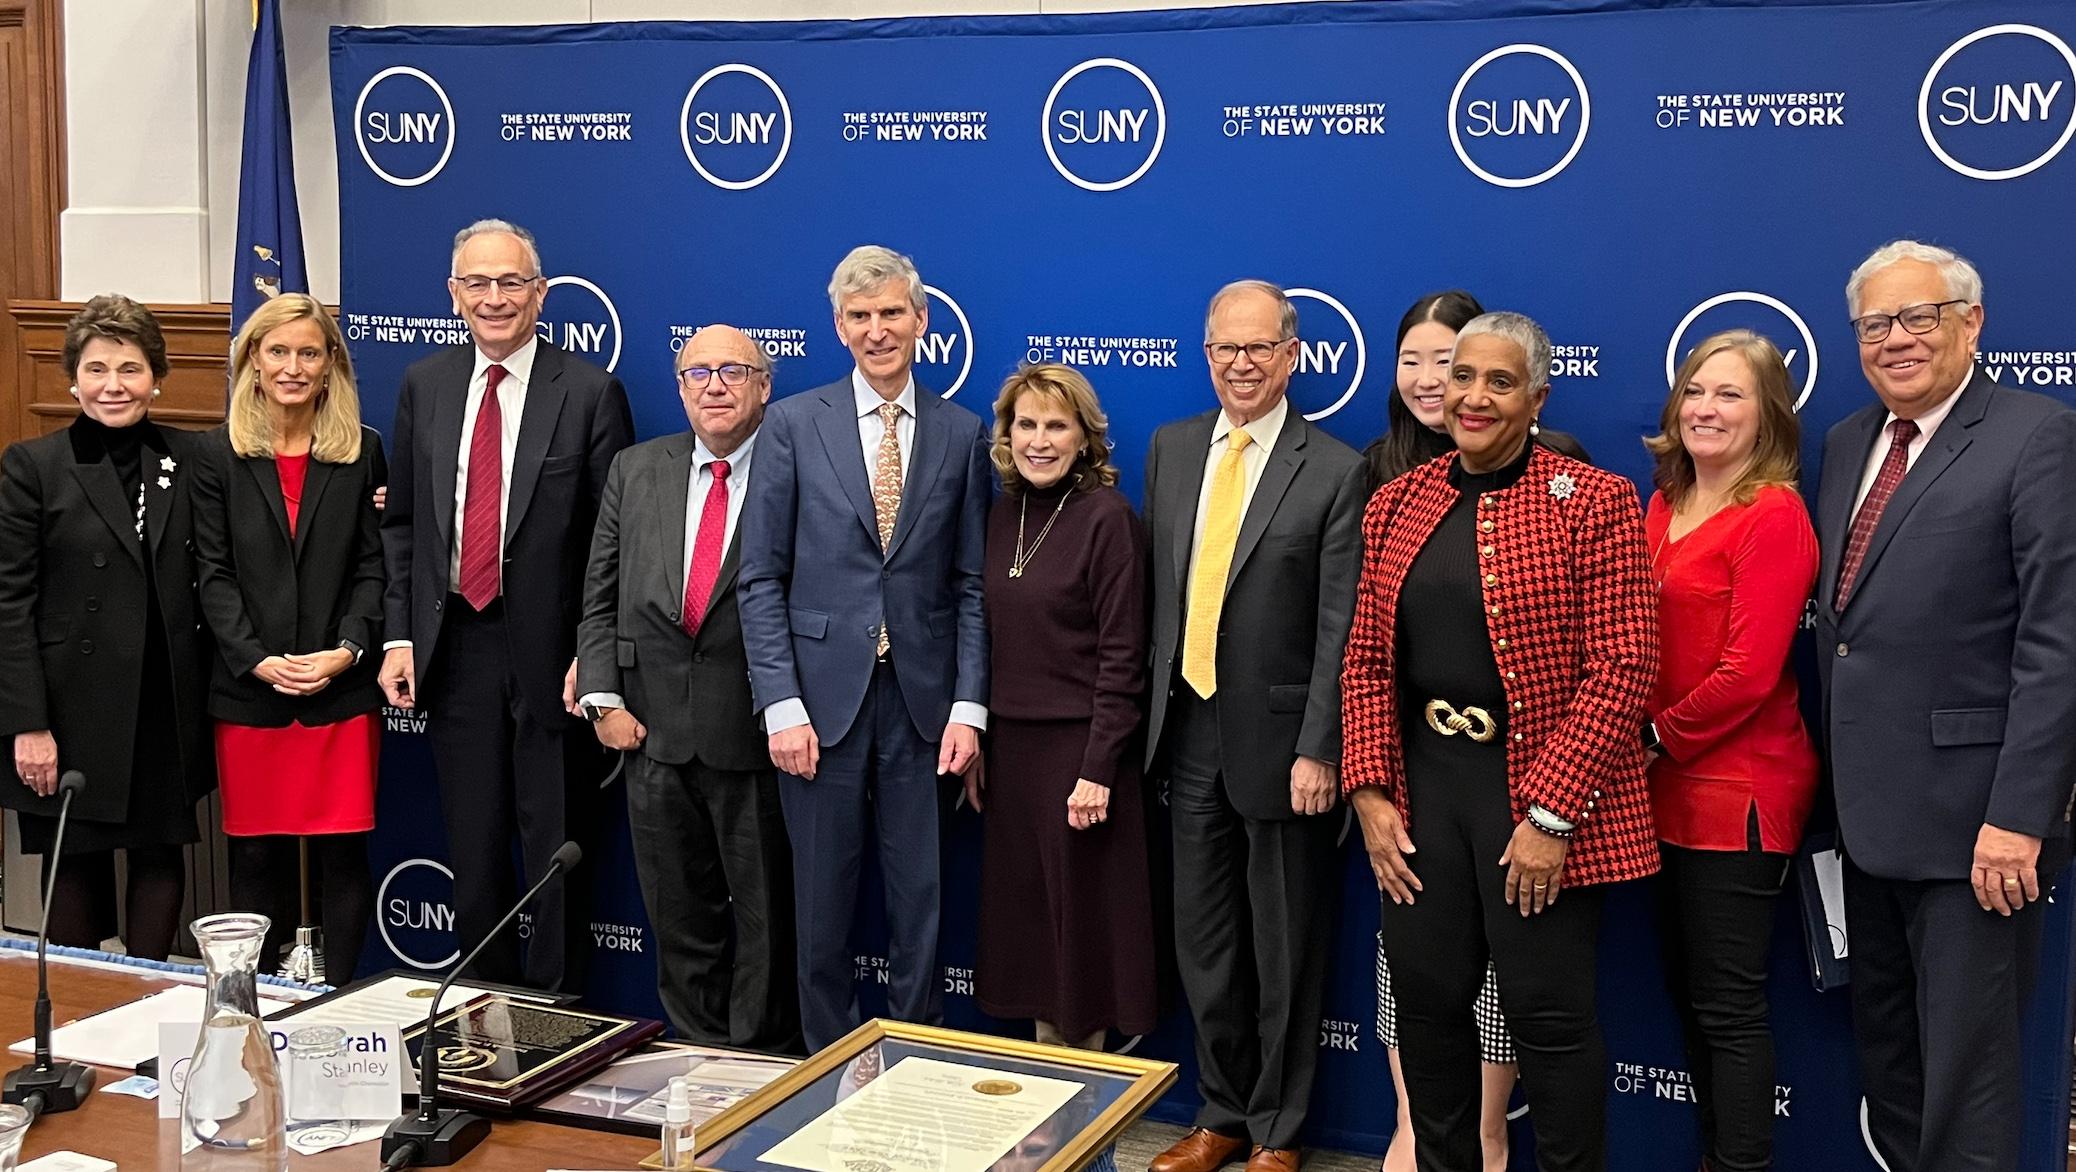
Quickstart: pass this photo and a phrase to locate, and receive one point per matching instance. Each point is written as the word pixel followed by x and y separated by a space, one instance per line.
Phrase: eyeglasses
pixel 1916 319
pixel 510 286
pixel 1226 353
pixel 731 374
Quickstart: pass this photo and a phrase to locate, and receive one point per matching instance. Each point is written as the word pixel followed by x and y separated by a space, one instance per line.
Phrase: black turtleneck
pixel 1443 648
pixel 124 446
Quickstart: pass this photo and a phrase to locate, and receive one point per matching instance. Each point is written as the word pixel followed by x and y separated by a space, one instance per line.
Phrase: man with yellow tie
pixel 1255 518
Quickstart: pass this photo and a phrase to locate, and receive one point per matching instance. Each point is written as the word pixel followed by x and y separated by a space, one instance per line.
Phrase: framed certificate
pixel 629 1096
pixel 892 1097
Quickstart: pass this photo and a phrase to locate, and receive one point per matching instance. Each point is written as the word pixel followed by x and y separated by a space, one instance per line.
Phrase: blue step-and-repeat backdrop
pixel 1073 188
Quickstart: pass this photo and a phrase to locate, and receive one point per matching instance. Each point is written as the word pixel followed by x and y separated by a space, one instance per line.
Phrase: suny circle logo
pixel 2002 96
pixel 943 355
pixel 414 911
pixel 1525 118
pixel 1108 127
pixel 410 128
pixel 736 137
pixel 1759 313
pixel 1332 356
pixel 590 329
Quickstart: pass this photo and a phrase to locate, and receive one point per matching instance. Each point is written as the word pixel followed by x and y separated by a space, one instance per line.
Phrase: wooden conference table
pixel 128 1131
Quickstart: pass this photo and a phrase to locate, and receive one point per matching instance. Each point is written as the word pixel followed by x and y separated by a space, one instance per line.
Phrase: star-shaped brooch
pixel 165 482
pixel 166 463
pixel 1562 486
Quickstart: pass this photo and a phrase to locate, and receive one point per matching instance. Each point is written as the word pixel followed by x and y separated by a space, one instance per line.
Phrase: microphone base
pixel 62 1085
pixel 442 1140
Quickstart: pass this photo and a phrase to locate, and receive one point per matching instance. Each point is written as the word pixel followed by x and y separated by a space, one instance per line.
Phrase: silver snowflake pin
pixel 166 463
pixel 1562 486
pixel 165 482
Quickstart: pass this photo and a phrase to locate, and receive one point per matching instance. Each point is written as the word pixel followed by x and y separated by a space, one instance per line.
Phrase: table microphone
pixel 44 1086
pixel 434 1137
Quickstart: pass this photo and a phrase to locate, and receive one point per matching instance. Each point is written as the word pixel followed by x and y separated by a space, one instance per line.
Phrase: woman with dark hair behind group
pixel 103 646
pixel 291 581
pixel 1734 772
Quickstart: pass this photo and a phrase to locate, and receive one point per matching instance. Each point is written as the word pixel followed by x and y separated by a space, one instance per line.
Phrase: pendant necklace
pixel 1023 557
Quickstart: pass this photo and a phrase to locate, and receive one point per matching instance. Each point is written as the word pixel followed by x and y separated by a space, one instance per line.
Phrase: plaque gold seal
pixel 461 1057
pixel 997 1086
pixel 420 994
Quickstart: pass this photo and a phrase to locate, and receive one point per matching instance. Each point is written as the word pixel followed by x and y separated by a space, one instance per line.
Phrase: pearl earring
pixel 1535 428
pixel 73 391
pixel 155 392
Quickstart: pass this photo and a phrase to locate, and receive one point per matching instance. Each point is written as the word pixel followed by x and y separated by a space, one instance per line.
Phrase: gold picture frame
pixel 1126 1087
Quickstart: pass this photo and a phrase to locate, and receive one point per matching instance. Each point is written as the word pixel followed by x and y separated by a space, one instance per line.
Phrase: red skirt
pixel 299 779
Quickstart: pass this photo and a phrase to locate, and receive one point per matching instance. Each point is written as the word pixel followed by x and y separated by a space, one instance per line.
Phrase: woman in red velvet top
pixel 1734 771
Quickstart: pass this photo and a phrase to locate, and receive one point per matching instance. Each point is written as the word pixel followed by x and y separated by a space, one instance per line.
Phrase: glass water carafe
pixel 231 1111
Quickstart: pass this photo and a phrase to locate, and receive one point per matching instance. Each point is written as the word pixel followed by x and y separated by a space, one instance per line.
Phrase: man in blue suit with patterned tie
pixel 860 591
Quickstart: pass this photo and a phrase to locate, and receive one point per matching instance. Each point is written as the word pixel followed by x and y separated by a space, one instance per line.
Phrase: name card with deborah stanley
pixel 362 1073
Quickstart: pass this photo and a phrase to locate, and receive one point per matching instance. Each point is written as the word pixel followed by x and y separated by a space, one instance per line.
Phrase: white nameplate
pixel 365 1080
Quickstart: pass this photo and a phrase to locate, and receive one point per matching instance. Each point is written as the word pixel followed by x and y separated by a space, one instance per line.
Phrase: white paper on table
pixel 923 1115
pixel 312 1138
pixel 129 1034
pixel 1830 874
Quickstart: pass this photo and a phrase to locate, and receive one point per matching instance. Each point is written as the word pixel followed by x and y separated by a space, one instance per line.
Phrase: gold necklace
pixel 1023 557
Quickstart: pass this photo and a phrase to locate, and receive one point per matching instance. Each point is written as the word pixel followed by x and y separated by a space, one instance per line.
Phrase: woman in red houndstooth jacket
pixel 1493 692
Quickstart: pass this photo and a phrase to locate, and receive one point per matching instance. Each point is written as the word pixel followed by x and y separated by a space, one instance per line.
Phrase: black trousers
pixel 1715 924
pixel 266 876
pixel 710 851
pixel 1545 964
pixel 1939 987
pixel 1254 911
pixel 502 771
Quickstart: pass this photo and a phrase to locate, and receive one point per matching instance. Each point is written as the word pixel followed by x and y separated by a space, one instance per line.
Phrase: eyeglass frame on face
pixel 711 372
pixel 1891 320
pixel 1267 350
pixel 511 285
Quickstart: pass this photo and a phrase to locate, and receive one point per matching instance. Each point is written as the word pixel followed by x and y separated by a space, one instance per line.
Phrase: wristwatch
pixel 1651 743
pixel 592 712
pixel 351 648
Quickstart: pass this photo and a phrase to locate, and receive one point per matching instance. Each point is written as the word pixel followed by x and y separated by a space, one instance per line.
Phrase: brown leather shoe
pixel 1273 1160
pixel 1202 1150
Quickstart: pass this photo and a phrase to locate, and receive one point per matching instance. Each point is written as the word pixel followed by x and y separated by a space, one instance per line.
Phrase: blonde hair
pixel 1777 456
pixel 335 433
pixel 1059 386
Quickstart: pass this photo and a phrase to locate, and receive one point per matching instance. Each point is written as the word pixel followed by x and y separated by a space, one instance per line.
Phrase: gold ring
pixel 1540 886
pixel 1473 722
pixel 2009 882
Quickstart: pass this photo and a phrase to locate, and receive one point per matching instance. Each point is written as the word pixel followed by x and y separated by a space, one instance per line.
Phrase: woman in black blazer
pixel 291 582
pixel 102 654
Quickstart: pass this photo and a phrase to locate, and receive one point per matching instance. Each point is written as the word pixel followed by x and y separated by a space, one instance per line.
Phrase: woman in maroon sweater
pixel 1734 771
pixel 1066 901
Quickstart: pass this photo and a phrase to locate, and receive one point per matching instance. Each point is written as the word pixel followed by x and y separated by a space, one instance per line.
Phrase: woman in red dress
pixel 1733 772
pixel 290 557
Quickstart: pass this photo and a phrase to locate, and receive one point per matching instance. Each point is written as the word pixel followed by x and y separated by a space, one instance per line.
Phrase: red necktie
pixel 707 548
pixel 482 512
pixel 1893 466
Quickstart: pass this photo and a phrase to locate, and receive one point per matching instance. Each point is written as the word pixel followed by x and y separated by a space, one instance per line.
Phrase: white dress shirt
pixel 511 403
pixel 791 712
pixel 699 483
pixel 1262 434
pixel 1926 424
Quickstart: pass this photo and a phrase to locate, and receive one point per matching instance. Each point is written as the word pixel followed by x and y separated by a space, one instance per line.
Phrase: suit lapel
pixel 924 458
pixel 1945 447
pixel 724 583
pixel 544 395
pixel 838 424
pixel 1194 441
pixel 450 398
pixel 1282 467
pixel 316 476
pixel 267 475
pixel 1835 503
pixel 105 492
pixel 667 484
pixel 159 469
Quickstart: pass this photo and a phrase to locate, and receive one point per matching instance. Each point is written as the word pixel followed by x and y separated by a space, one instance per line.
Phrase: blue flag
pixel 270 229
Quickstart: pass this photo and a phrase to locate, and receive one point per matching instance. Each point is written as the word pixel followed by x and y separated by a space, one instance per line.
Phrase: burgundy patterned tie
pixel 482 513
pixel 707 548
pixel 1893 466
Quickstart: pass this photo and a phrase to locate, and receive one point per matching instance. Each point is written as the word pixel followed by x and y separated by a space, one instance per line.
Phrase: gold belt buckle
pixel 1473 722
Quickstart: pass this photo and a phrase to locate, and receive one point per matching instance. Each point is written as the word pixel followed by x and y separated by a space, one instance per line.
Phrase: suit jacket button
pixel 886 575
pixel 1844 651
pixel 86 646
pixel 436 604
pixel 93 603
pixel 100 560
pixel 698 657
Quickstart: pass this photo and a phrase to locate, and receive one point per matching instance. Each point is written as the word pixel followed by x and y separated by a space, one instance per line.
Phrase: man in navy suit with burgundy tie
pixel 501 450
pixel 1948 653
pixel 862 553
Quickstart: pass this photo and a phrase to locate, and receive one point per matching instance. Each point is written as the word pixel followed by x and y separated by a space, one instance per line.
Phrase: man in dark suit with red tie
pixel 662 675
pixel 501 453
pixel 1948 655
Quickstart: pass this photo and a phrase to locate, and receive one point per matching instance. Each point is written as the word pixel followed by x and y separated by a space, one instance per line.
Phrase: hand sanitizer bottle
pixel 677 1127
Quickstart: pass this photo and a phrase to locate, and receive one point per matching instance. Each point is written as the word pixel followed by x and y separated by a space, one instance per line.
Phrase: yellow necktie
pixel 1214 558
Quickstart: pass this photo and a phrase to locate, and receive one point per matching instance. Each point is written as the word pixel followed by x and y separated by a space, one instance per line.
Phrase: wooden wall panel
pixel 32 179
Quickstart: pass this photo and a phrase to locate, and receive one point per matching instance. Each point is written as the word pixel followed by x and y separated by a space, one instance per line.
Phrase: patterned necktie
pixel 886 490
pixel 1214 559
pixel 482 512
pixel 1893 466
pixel 707 548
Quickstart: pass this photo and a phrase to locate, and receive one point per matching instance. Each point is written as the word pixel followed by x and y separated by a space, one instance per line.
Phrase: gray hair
pixel 492 227
pixel 1962 281
pixel 1286 313
pixel 1522 331
pixel 869 266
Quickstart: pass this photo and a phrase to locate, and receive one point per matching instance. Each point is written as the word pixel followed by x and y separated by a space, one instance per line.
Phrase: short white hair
pixel 1963 283
pixel 869 266
pixel 492 227
pixel 1286 312
pixel 1519 329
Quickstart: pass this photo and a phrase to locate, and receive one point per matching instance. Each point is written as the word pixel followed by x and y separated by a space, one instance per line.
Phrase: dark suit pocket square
pixel 1967 726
